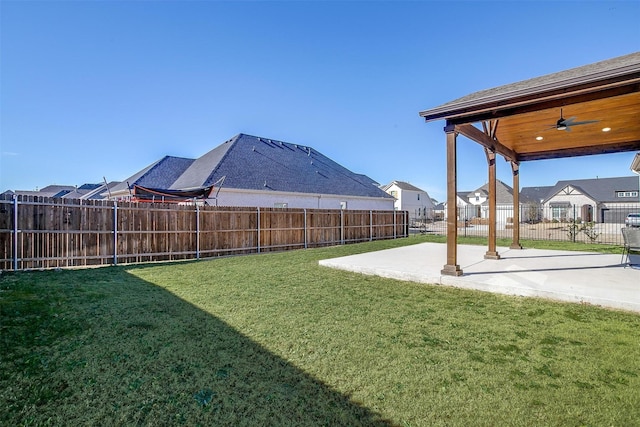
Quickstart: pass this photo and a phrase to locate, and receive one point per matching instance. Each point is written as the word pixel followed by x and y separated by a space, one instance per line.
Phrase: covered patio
pixel 593 109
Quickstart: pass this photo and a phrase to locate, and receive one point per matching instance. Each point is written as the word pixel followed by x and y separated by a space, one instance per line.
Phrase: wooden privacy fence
pixel 37 232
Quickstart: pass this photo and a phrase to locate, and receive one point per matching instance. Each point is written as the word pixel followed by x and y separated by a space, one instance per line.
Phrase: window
pixel 626 194
pixel 343 205
pixel 418 196
pixel 394 193
pixel 559 213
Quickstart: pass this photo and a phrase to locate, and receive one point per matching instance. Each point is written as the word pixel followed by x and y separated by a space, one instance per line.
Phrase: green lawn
pixel 275 339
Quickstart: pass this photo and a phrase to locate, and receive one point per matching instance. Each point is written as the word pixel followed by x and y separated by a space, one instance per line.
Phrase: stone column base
pixel 491 255
pixel 451 270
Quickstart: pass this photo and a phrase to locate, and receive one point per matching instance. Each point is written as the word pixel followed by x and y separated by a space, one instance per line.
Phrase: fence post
pixel 371 226
pixel 197 231
pixel 115 233
pixel 405 226
pixel 305 228
pixel 464 221
pixel 15 232
pixel 395 231
pixel 258 242
pixel 342 226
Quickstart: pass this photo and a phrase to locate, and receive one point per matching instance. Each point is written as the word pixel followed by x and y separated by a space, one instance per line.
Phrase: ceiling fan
pixel 566 124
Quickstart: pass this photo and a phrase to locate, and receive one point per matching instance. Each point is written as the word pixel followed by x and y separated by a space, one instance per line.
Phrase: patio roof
pixel 591 109
pixel 605 93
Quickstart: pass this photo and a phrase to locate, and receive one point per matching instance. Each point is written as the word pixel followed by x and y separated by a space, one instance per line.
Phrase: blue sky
pixel 93 89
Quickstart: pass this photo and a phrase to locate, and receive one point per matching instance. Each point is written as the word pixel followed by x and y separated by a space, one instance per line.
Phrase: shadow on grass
pixel 103 347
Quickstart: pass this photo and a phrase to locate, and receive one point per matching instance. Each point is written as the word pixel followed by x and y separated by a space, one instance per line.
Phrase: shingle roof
pixel 199 172
pixel 256 163
pixel 504 193
pixel 403 186
pixel 534 194
pixel 160 174
pixel 55 190
pixel 621 65
pixel 89 187
pixel 600 189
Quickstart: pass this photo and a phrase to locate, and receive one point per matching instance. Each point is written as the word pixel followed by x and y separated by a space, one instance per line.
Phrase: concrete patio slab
pixel 580 277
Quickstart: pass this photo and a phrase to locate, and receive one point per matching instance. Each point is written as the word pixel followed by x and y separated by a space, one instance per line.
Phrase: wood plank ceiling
pixel 525 119
pixel 616 129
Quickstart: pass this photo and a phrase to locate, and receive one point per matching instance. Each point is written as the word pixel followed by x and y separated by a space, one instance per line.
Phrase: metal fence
pixel 38 232
pixel 560 222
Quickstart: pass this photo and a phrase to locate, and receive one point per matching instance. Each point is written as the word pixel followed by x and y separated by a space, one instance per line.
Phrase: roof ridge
pixel 153 166
pixel 231 141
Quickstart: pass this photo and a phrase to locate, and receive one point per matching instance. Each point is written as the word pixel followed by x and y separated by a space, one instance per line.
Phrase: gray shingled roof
pixel 403 186
pixel 504 193
pixel 56 190
pixel 160 174
pixel 601 189
pixel 534 194
pixel 576 76
pixel 202 168
pixel 256 163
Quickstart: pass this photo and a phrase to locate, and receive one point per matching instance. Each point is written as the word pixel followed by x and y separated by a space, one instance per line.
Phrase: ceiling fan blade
pixel 569 121
pixel 586 122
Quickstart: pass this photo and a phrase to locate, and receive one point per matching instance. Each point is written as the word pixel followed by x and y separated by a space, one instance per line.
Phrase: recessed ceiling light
pixel 606 129
pixel 539 138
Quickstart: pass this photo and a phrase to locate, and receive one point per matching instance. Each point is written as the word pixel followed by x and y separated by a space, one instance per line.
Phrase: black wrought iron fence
pixel 560 221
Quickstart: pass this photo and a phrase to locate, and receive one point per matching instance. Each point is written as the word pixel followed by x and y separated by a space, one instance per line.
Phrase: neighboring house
pixel 606 200
pixel 84 192
pixel 462 202
pixel 439 211
pixel 260 172
pixel 412 199
pixel 532 202
pixel 475 204
pixel 90 191
pixel 56 191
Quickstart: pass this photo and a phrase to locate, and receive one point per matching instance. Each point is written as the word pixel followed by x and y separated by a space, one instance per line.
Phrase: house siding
pixel 411 199
pixel 232 197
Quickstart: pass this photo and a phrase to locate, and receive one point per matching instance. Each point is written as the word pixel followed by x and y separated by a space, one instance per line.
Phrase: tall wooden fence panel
pixel 38 232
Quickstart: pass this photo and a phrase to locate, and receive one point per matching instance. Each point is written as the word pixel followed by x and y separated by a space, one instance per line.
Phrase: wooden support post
pixel 451 268
pixel 515 244
pixel 492 253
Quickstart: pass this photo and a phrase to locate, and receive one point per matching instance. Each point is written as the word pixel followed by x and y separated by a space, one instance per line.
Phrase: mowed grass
pixel 275 339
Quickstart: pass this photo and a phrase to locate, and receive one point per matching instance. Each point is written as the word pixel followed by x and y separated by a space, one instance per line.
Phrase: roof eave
pixel 624 76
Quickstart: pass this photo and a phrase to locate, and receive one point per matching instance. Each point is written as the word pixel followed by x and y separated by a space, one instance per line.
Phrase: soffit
pixel 607 93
